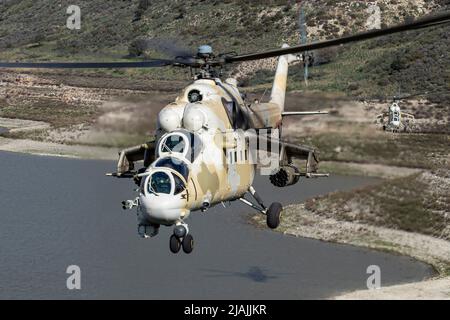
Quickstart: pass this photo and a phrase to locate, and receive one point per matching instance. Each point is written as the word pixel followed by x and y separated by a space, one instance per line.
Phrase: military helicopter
pixel 394 120
pixel 210 140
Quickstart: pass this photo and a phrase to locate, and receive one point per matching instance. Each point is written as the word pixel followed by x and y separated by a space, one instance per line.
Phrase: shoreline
pixel 58 150
pixel 430 250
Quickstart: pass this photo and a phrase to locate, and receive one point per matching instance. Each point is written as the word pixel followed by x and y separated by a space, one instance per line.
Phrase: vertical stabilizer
pixel 280 82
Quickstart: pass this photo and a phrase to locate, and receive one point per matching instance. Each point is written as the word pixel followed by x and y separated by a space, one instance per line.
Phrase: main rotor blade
pixel 426 22
pixel 87 65
pixel 170 47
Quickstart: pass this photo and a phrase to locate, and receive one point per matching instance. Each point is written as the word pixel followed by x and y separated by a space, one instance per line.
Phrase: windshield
pixel 175 164
pixel 174 143
pixel 160 183
pixel 184 143
pixel 179 184
pixel 396 116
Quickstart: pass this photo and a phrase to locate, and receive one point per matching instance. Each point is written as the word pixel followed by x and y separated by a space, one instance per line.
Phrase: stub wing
pixel 407 116
pixel 302 152
pixel 289 151
pixel 128 157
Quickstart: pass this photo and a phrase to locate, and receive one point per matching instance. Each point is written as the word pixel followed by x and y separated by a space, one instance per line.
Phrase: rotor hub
pixel 205 51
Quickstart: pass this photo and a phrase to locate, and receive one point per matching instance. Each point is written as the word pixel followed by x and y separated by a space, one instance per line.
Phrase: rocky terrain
pixel 36 30
pixel 77 111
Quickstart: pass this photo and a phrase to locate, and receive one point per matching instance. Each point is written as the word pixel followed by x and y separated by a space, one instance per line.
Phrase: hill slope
pixel 36 30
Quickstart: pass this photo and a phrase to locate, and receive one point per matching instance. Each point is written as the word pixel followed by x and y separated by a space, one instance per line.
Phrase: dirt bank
pixel 438 289
pixel 365 218
pixel 55 149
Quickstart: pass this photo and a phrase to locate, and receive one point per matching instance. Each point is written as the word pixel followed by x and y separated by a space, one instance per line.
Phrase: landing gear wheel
pixel 175 244
pixel 273 215
pixel 188 244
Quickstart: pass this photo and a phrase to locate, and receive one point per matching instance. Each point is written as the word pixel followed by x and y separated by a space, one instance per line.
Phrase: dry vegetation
pixel 418 203
pixel 102 111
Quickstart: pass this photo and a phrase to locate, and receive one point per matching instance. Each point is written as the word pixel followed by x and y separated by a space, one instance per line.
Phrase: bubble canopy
pixel 162 182
pixel 175 164
pixel 183 144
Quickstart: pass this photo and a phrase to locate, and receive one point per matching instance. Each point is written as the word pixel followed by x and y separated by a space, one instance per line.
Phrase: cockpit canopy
pixel 394 113
pixel 160 182
pixel 175 164
pixel 174 143
pixel 163 182
pixel 181 143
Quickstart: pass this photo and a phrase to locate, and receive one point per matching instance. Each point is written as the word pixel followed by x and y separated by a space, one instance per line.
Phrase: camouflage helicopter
pixel 395 120
pixel 210 140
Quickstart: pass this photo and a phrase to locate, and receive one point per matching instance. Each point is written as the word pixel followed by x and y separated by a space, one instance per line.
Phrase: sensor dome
pixel 169 120
pixel 194 118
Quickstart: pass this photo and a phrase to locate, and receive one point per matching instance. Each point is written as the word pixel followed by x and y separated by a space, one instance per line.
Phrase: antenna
pixel 398 96
pixel 303 40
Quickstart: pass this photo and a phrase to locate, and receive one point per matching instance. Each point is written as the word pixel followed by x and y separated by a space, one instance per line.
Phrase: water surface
pixel 58 212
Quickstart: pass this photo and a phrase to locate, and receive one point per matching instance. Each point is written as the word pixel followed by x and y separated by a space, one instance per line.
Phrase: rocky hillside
pixel 242 25
pixel 36 30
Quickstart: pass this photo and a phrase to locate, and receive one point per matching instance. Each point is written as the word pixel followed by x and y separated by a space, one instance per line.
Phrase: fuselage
pixel 204 154
pixel 394 115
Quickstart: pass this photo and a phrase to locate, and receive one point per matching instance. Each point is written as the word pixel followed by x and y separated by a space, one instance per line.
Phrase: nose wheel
pixel 181 239
pixel 188 244
pixel 175 244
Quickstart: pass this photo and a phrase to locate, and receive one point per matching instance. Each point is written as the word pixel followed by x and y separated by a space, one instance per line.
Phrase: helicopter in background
pixel 210 141
pixel 394 120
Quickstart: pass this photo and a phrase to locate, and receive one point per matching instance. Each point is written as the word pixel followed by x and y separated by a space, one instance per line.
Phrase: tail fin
pixel 279 84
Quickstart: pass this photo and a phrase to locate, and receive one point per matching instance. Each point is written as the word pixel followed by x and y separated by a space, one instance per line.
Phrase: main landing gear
pixel 181 238
pixel 273 213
